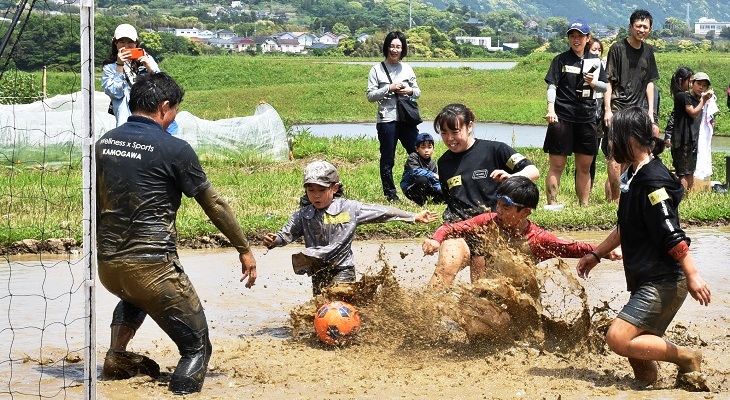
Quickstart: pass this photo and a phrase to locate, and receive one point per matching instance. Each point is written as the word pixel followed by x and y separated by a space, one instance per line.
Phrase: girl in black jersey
pixel 470 171
pixel 657 263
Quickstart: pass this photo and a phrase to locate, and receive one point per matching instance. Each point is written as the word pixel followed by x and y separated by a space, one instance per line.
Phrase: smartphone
pixel 135 53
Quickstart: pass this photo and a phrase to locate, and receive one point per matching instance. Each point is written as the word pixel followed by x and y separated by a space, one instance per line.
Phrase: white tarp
pixel 28 128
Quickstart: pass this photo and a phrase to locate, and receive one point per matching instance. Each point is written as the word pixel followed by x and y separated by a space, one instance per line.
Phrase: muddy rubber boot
pixel 125 364
pixel 190 372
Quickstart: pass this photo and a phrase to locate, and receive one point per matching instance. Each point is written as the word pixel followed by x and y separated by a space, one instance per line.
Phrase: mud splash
pixel 518 302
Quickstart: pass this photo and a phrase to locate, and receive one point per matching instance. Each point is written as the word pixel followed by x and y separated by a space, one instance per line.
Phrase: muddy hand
pixel 430 246
pixel 248 267
pixel 585 265
pixel 699 289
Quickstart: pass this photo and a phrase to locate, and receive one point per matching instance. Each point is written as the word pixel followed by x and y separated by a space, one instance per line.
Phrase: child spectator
pixel 517 196
pixel 328 226
pixel 420 179
pixel 681 80
pixel 687 119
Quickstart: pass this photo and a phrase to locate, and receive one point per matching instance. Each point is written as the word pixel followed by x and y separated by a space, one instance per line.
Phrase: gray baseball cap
pixel 321 173
pixel 701 76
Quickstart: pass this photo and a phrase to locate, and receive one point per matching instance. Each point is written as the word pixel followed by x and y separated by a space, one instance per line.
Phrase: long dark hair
pixel 680 75
pixel 590 44
pixel 632 122
pixel 453 116
pixel 390 37
pixel 112 57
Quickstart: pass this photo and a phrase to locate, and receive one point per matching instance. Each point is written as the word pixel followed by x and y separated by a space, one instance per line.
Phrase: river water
pixel 514 135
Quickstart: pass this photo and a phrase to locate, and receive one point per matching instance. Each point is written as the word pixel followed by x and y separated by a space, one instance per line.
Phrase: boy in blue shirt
pixel 420 174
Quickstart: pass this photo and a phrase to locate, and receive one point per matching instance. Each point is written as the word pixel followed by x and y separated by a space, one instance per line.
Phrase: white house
pixel 225 34
pixel 329 38
pixel 289 45
pixel 206 34
pixel 481 41
pixel 307 39
pixel 705 25
pixel 187 32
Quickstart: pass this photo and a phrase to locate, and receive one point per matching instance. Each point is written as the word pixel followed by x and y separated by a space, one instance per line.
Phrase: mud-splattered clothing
pixel 465 180
pixel 629 71
pixel 648 220
pixel 328 233
pixel 142 173
pixel 542 244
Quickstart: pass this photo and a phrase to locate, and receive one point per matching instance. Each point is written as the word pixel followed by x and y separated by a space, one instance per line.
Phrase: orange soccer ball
pixel 337 323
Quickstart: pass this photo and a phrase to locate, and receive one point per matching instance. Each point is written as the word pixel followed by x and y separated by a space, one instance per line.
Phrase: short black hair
pixel 639 15
pixel 520 189
pixel 149 91
pixel 390 37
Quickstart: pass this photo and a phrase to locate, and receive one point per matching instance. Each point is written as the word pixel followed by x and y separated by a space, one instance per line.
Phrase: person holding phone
pixel 573 78
pixel 126 60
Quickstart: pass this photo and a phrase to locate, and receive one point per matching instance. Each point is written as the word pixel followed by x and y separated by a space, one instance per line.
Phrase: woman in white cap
pixel 121 68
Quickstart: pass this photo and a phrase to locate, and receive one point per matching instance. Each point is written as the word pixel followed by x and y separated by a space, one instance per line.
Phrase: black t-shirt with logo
pixel 574 100
pixel 465 180
pixel 141 175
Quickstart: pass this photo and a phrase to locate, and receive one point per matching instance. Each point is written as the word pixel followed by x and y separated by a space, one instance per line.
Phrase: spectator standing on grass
pixel 573 78
pixel 631 70
pixel 120 70
pixel 385 92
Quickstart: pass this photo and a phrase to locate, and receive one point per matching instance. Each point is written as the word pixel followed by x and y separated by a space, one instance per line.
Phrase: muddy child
pixel 657 263
pixel 328 226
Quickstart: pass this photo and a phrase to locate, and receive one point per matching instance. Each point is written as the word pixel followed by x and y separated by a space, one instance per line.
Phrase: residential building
pixel 705 25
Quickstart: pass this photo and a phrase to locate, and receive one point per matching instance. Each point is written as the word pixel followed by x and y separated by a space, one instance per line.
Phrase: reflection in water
pixel 514 135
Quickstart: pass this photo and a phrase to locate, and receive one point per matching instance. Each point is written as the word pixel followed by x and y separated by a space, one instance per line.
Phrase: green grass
pixel 314 90
pixel 44 203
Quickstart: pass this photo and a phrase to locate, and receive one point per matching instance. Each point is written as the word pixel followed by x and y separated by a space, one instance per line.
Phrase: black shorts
pixel 652 306
pixel 565 138
pixel 684 159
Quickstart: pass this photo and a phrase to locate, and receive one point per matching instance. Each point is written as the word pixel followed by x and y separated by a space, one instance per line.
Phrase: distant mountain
pixel 604 12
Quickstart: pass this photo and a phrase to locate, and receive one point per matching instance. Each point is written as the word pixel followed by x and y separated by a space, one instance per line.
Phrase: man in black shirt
pixel 141 174
pixel 631 69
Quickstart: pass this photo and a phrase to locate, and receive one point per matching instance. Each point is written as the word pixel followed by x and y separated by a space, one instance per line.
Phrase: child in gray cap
pixel 328 226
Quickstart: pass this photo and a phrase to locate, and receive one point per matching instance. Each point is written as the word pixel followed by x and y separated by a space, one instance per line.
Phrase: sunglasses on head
pixel 509 202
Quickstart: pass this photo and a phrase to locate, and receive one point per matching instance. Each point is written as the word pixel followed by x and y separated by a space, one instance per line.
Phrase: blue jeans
pixel 389 133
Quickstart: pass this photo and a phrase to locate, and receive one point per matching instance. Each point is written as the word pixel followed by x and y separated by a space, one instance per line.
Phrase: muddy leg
pixel 645 370
pixel 453 257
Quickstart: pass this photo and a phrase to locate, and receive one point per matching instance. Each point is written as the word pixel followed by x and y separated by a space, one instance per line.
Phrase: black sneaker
pixel 392 198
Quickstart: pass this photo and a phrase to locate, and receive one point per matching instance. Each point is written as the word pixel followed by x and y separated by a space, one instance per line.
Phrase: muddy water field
pixel 535 334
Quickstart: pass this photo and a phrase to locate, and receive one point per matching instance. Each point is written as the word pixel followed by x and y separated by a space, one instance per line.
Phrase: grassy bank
pixel 44 203
pixel 314 90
